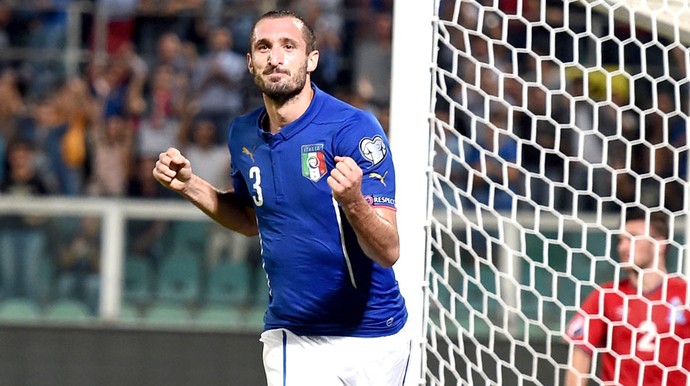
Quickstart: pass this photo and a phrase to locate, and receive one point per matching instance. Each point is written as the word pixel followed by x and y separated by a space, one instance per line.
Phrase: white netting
pixel 551 117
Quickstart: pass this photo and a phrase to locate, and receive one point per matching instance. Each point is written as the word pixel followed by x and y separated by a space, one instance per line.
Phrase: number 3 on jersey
pixel 255 176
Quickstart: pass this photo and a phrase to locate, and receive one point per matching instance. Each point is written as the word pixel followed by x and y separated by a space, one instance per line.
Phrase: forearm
pixel 578 373
pixel 222 207
pixel 376 230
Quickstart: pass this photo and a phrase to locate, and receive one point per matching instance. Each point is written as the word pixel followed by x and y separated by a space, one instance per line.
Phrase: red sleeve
pixel 587 329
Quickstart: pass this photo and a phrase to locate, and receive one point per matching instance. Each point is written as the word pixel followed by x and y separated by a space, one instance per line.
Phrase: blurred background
pixel 106 277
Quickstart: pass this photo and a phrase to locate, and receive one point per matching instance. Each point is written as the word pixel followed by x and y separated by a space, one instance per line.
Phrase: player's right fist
pixel 172 170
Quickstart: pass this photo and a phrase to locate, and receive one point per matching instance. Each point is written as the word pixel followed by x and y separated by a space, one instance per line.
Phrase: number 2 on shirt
pixel 648 332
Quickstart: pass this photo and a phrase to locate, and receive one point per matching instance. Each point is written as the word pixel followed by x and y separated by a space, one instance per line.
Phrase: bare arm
pixel 578 373
pixel 376 229
pixel 174 172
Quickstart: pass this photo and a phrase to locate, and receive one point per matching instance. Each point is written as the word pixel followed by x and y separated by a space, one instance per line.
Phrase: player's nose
pixel 275 57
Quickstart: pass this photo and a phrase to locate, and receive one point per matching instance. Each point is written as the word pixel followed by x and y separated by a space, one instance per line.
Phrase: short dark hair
pixel 307 31
pixel 657 221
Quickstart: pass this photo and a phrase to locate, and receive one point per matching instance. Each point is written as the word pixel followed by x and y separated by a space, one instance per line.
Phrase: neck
pixel 281 113
pixel 647 280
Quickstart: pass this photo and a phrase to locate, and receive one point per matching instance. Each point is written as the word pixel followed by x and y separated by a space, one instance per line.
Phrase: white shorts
pixel 293 360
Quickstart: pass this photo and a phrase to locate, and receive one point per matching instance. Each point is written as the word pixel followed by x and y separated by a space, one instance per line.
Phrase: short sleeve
pixel 240 186
pixel 587 329
pixel 364 140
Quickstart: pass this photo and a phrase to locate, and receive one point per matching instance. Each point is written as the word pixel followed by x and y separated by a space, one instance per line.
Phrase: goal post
pixel 410 140
pixel 521 131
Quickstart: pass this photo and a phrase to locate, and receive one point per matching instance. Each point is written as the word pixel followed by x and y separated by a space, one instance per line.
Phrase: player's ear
pixel 312 60
pixel 250 63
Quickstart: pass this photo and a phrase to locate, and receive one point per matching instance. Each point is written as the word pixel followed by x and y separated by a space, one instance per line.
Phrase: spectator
pixel 446 159
pixel 493 164
pixel 217 81
pixel 13 106
pixel 327 18
pixel 79 264
pixel 157 22
pixel 198 138
pixel 44 129
pixel 241 22
pixel 169 52
pixel 119 28
pixel 5 20
pixel 158 111
pixel 79 110
pixel 110 81
pixel 541 151
pixel 212 162
pixel 627 167
pixel 586 135
pixel 372 62
pixel 47 33
pixel 12 112
pixel 111 158
pixel 22 237
pixel 666 131
pixel 145 237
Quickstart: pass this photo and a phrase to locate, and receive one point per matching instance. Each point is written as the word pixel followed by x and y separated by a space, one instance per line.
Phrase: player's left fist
pixel 346 180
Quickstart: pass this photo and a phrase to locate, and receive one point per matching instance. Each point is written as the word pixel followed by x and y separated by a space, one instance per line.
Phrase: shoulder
pixel 336 110
pixel 243 127
pixel 677 284
pixel 606 290
pixel 610 285
pixel 248 119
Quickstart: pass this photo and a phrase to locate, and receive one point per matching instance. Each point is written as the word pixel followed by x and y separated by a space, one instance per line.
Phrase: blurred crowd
pixel 164 73
pixel 548 115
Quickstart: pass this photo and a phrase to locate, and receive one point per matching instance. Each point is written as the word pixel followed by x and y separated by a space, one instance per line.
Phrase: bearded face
pixel 279 82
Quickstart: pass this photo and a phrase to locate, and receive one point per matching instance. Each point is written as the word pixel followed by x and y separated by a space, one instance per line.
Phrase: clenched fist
pixel 172 170
pixel 346 180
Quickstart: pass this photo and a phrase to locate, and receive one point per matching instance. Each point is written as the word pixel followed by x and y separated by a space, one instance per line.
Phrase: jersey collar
pixel 287 131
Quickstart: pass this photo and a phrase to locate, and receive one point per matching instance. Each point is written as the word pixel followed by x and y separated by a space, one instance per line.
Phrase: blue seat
pixel 228 283
pixel 167 314
pixel 19 310
pixel 189 237
pixel 179 279
pixel 68 310
pixel 130 314
pixel 255 318
pixel 138 276
pixel 215 315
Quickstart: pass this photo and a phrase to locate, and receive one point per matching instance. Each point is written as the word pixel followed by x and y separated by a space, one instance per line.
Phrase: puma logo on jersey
pixel 379 177
pixel 248 152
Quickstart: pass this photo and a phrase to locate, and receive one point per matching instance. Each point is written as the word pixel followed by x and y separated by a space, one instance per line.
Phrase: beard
pixel 285 89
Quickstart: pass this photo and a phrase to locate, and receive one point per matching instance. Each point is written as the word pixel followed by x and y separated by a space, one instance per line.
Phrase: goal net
pixel 549 119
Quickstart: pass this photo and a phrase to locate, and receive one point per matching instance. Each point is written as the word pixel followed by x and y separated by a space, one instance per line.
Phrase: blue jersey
pixel 320 281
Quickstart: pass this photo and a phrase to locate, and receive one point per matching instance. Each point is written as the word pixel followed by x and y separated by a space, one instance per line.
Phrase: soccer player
pixel 640 326
pixel 313 176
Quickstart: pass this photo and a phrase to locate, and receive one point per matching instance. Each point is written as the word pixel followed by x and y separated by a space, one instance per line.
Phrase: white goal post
pixel 521 131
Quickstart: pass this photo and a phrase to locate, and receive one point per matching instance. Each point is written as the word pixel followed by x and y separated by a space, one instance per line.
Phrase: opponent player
pixel 640 326
pixel 314 177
